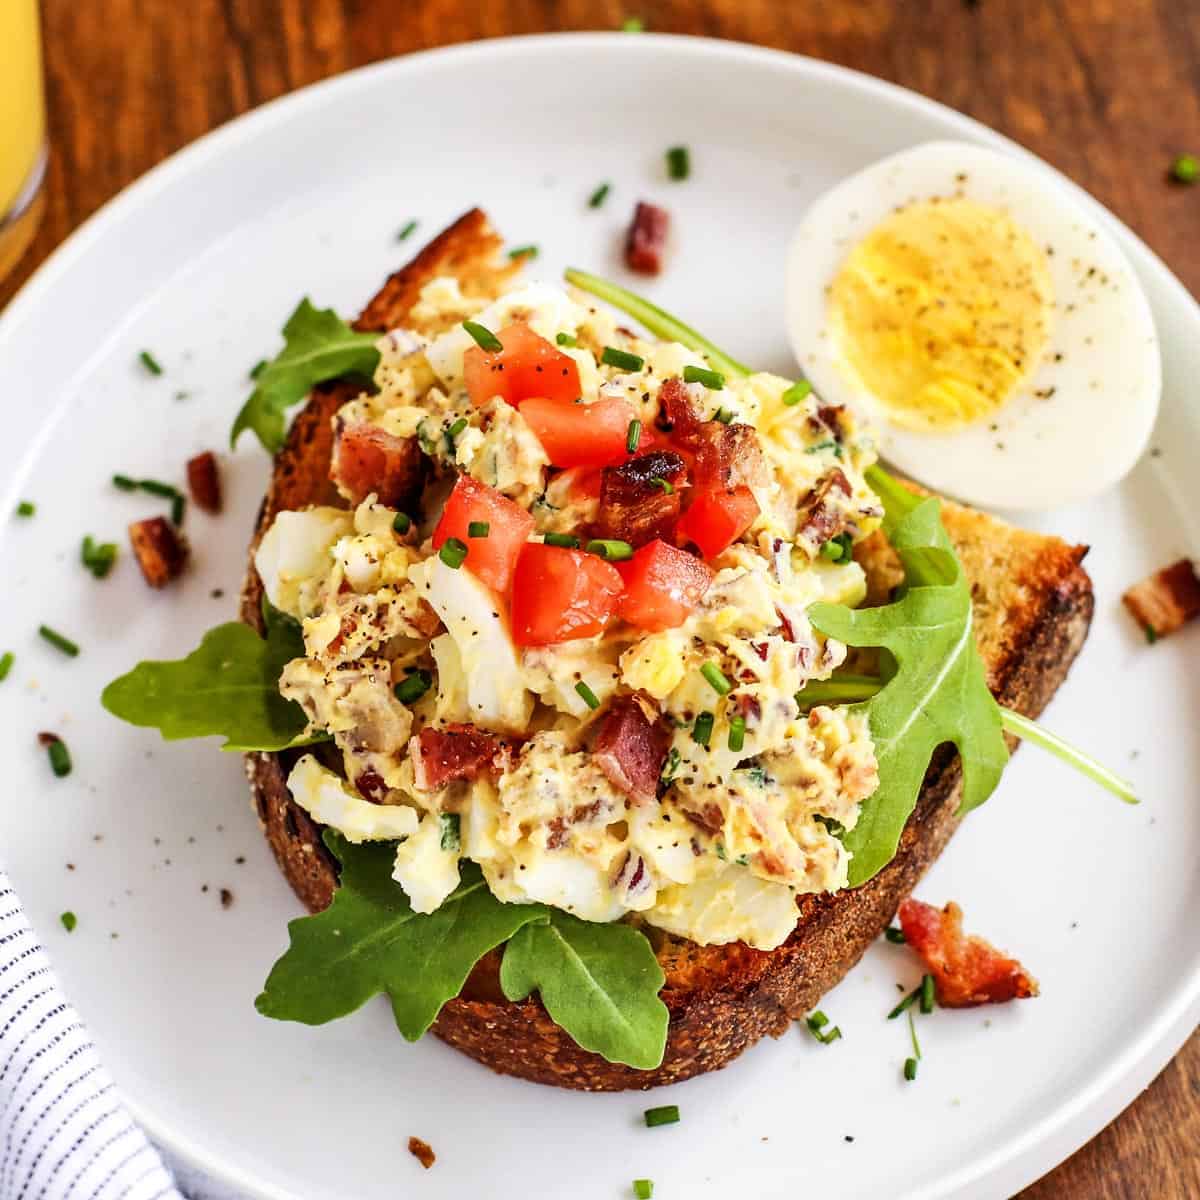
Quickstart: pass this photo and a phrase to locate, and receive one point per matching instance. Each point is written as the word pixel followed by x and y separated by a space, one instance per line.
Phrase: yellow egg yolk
pixel 941 311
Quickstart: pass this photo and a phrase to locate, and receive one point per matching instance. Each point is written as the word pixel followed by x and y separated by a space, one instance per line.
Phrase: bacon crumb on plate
pixel 966 970
pixel 1166 600
pixel 646 241
pixel 422 1151
pixel 160 550
pixel 204 482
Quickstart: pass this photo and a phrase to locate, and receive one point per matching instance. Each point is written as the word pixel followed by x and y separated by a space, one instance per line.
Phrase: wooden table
pixel 1107 90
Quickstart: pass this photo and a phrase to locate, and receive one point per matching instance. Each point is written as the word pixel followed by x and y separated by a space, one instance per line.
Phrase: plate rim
pixel 1025 1156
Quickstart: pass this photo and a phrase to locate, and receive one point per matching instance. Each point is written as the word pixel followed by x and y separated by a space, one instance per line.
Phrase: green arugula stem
pixel 654 320
pixel 851 689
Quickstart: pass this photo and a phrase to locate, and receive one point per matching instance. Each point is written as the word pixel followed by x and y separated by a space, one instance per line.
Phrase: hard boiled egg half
pixel 986 322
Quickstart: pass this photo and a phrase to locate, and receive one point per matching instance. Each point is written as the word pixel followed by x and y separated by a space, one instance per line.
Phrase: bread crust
pixel 1033 605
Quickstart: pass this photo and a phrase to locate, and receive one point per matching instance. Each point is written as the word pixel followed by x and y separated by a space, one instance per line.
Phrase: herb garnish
pixel 610 549
pixel 150 362
pixel 565 540
pixel 1185 169
pixel 633 435
pixel 679 163
pixel 797 392
pixel 402 523
pixel 478 529
pixel 69 921
pixel 484 338
pixel 702 729
pixel 664 485
pixel 6 664
pixel 451 839
pixel 817 1027
pixel 413 686
pixel 666 1114
pixel 518 252
pixel 26 508
pixel 716 680
pixel 453 552
pixel 643 1189
pixel 407 232
pixel 587 695
pixel 895 935
pixel 58 641
pixel 621 359
pixel 737 733
pixel 713 380
pixel 98 557
pixel 566 339
pixel 598 197
pixel 57 752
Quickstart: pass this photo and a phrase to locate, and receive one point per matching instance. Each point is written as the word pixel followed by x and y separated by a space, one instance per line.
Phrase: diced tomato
pixel 662 586
pixel 491 558
pixel 527 366
pixel 580 435
pixel 560 594
pixel 716 519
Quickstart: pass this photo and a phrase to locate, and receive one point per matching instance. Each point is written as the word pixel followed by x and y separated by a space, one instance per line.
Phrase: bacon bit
pixel 634 506
pixel 45 738
pixel 558 827
pixel 710 818
pixel 422 1152
pixel 366 460
pixel 680 409
pixel 632 877
pixel 823 517
pixel 1166 600
pixel 761 649
pixel 726 456
pixel 371 786
pixel 203 481
pixel 967 970
pixel 646 241
pixel 160 550
pixel 630 748
pixel 832 416
pixel 441 756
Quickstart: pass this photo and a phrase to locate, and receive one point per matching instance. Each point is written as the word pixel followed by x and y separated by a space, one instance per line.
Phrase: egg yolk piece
pixel 942 311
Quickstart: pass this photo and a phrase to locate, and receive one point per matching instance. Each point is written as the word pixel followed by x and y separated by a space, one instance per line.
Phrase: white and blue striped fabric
pixel 64 1132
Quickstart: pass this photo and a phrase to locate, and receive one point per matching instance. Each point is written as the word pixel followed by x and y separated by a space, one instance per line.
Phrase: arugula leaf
pixel 938 692
pixel 318 345
pixel 598 982
pixel 228 686
pixel 369 940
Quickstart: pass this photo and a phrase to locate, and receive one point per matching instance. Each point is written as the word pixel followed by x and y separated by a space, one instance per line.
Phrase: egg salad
pixel 559 628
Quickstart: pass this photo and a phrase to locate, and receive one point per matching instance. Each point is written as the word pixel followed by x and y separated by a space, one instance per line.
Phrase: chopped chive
pixel 702 729
pixel 587 695
pixel 125 483
pixel 737 733
pixel 598 197
pixel 905 1004
pixel 407 231
pixel 796 392
pixel 643 1189
pixel 59 642
pixel 712 380
pixel 478 529
pixel 516 252
pixel 612 357
pixel 455 429
pixel 60 757
pixel 910 1069
pixel 716 679
pixel 724 415
pixel 667 1114
pixel 633 25
pixel 402 522
pixel 98 557
pixel 1151 635
pixel 155 488
pixel 258 368
pixel 928 996
pixel 665 485
pixel 413 686
pixel 1185 169
pixel 633 435
pixel 6 664
pixel 679 162
pixel 150 362
pixel 671 766
pixel 69 921
pixel 912 1033
pixel 566 339
pixel 26 508
pixel 453 552
pixel 816 1026
pixel 451 831
pixel 565 540
pixel 895 935
pixel 838 549
pixel 178 504
pixel 485 339
pixel 610 550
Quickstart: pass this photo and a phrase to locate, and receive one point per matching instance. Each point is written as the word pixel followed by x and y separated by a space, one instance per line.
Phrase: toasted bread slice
pixel 1033 605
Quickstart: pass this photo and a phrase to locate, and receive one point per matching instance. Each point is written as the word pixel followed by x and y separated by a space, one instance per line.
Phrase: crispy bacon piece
pixel 726 456
pixel 966 970
pixel 366 459
pixel 371 786
pixel 833 418
pixel 634 505
pixel 441 756
pixel 422 1152
pixel 646 241
pixel 823 517
pixel 160 550
pixel 1166 600
pixel 630 748
pixel 203 481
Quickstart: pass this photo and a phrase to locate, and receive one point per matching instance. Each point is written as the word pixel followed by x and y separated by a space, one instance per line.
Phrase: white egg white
pixel 1083 416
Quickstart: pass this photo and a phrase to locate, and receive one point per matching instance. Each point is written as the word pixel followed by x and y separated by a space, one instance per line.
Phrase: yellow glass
pixel 22 129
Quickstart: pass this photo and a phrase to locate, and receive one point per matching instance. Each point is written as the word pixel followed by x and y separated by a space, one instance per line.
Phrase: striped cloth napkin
pixel 64 1132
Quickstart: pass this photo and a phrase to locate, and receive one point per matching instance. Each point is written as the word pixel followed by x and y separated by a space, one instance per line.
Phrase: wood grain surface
pixel 1106 90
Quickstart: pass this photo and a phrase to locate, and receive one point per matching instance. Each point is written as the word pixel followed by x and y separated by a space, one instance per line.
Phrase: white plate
pixel 201 261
